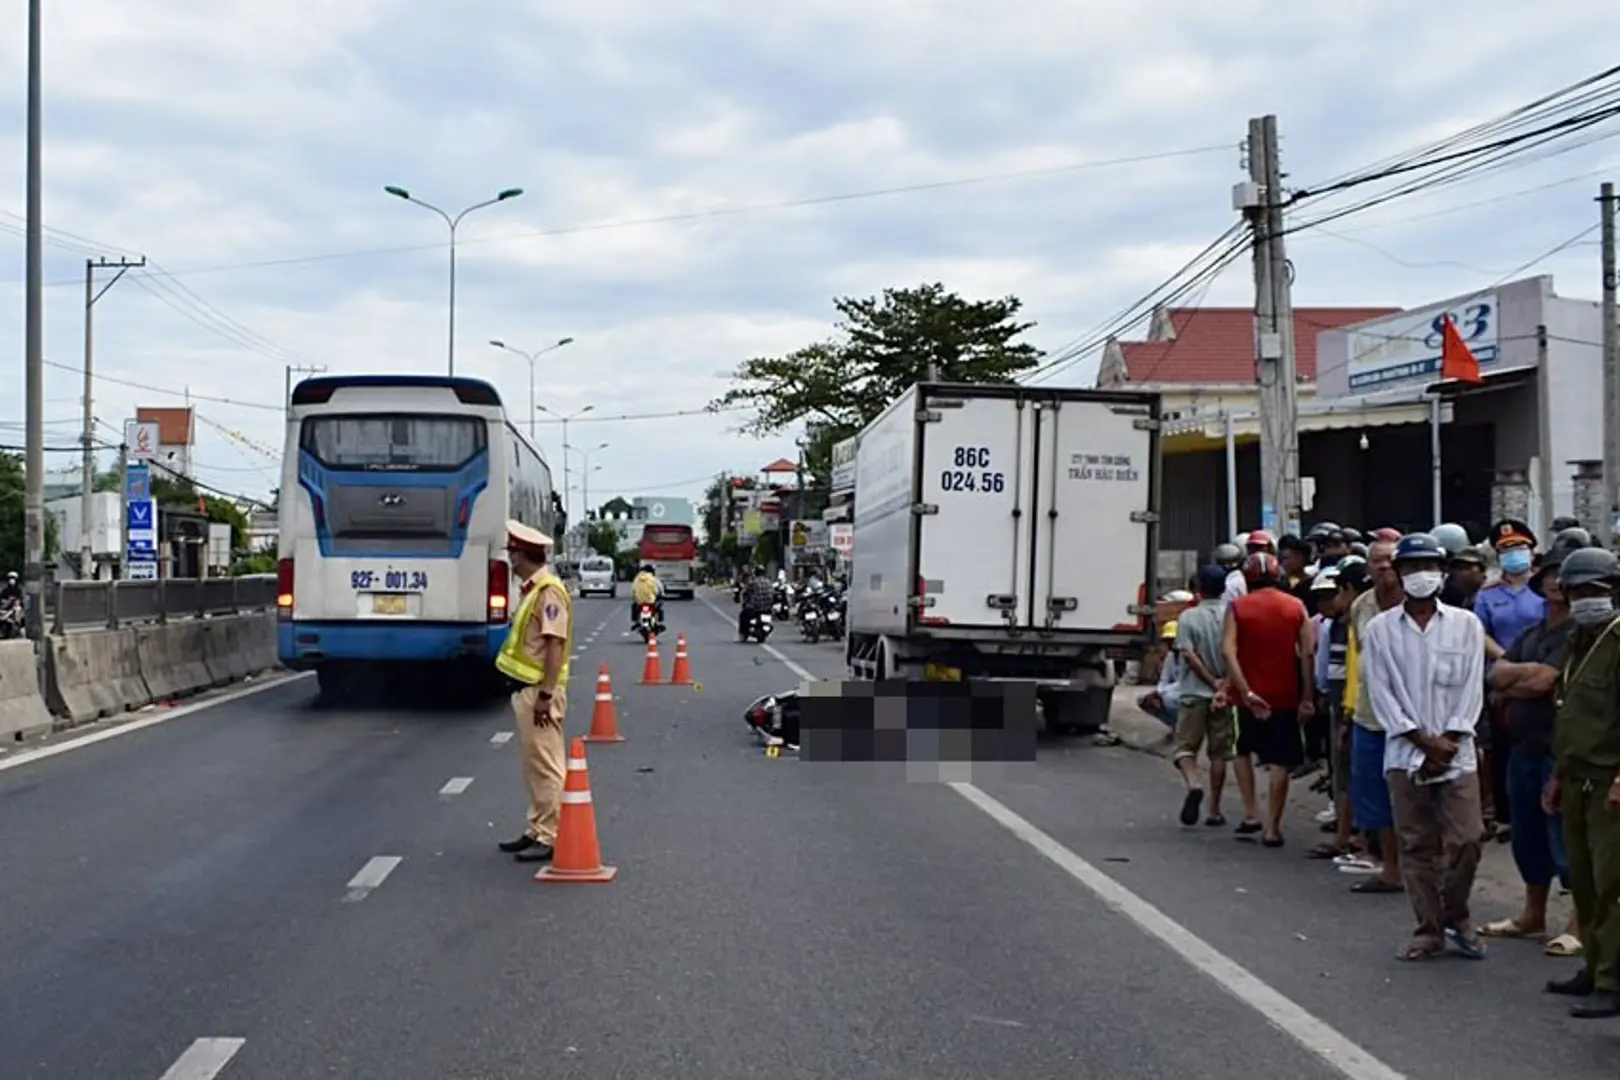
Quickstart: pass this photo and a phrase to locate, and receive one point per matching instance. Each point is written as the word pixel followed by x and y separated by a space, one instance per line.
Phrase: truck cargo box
pixel 1007 512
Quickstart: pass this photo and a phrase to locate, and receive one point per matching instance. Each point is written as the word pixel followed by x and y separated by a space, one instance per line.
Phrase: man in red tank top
pixel 1270 650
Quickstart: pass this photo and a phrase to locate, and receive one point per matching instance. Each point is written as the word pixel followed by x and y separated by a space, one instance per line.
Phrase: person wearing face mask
pixel 1585 789
pixel 1425 670
pixel 1506 608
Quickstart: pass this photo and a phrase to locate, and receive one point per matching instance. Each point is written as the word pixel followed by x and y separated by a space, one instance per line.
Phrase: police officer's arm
pixel 553 619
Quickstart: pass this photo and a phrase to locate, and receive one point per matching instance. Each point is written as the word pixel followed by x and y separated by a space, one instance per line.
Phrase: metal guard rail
pixel 94 605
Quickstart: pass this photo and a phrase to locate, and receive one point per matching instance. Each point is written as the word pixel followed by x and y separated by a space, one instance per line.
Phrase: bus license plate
pixel 389 603
pixel 392 580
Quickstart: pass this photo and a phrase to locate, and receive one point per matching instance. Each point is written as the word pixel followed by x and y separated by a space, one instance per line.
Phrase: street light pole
pixel 585 475
pixel 454 222
pixel 565 419
pixel 34 350
pixel 531 358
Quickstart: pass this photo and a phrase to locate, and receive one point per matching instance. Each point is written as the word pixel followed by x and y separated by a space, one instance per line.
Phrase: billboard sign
pixel 141 437
pixel 1404 349
pixel 843 467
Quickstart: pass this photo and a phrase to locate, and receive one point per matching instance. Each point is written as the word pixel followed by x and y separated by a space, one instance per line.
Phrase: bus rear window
pixel 386 442
pixel 666 534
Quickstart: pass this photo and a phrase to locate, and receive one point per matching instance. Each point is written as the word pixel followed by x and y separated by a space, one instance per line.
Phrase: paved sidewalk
pixel 1498 890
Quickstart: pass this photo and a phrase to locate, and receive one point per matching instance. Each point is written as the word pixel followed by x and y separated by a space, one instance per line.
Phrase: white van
pixel 596 576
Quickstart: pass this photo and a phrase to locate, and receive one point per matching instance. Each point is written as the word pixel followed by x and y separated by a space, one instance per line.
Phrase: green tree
pixel 881 346
pixel 12 543
pixel 603 538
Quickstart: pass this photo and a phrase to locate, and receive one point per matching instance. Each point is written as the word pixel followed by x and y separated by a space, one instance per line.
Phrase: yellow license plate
pixel 941 673
pixel 389 603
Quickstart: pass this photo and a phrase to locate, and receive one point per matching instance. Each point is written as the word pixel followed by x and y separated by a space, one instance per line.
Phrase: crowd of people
pixel 1443 689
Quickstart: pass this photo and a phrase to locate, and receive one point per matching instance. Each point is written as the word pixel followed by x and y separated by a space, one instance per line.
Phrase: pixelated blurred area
pixel 932 731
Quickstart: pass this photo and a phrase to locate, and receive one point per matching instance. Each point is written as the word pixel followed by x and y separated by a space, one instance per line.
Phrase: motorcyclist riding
pixel 646 589
pixel 758 596
pixel 12 591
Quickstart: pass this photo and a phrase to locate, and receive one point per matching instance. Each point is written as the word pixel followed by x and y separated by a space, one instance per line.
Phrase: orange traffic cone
pixel 577 856
pixel 605 717
pixel 682 674
pixel 652 672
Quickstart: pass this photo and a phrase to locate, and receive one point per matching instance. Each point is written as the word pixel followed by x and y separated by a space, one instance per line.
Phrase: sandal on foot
pixel 1327 850
pixel 1468 943
pixel 1564 945
pixel 1215 821
pixel 1191 805
pixel 1419 949
pixel 1271 841
pixel 1506 928
pixel 1375 885
pixel 1249 828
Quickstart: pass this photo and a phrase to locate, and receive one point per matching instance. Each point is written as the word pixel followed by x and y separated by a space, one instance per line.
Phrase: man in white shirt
pixel 1425 668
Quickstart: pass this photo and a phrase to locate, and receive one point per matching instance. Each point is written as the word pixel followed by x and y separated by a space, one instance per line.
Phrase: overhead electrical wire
pixel 700 215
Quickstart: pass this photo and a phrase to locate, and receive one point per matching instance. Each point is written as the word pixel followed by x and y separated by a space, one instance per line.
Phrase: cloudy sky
pixel 685 169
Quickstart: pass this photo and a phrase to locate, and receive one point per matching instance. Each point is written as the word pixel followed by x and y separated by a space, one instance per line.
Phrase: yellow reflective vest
pixel 512 660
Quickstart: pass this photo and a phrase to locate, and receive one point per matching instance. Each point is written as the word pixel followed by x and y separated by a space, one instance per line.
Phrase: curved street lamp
pixel 453 220
pixel 531 357
pixel 565 418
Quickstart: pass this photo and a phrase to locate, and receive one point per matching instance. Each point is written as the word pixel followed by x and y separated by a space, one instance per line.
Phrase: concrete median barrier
pixel 94 674
pixel 22 708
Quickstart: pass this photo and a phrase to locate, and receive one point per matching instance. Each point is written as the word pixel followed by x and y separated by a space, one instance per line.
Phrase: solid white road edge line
pixel 142 724
pixel 783 658
pixel 456 785
pixel 1334 1049
pixel 203 1059
pixel 372 875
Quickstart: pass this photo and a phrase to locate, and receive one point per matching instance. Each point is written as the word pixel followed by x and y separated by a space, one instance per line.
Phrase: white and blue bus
pixel 395 494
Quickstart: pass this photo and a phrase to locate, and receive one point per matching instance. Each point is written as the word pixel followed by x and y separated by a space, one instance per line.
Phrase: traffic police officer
pixel 1586 784
pixel 536 657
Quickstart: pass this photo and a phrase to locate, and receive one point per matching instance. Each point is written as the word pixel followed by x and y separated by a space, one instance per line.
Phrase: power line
pixel 595 419
pixel 165 391
pixel 698 215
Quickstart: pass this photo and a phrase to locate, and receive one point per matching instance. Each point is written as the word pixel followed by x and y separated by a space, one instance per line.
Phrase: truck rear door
pixel 973 548
pixel 1094 513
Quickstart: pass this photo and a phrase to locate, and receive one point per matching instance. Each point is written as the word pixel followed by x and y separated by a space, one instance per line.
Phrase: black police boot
pixel 522 843
pixel 1577 985
pixel 1602 1005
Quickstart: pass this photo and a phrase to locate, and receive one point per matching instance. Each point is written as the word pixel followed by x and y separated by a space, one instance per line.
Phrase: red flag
pixel 1457 360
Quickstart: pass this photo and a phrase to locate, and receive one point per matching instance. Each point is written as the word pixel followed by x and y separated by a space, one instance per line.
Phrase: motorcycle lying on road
pixel 648 625
pixel 775 717
pixel 757 627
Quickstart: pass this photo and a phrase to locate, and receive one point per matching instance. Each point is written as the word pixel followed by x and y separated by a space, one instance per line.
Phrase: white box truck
pixel 1006 533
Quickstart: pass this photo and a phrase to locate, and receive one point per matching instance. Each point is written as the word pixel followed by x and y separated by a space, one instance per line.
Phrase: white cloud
pixel 245 146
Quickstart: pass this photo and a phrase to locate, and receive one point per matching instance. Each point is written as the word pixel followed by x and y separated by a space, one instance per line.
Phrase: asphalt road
pixel 268 889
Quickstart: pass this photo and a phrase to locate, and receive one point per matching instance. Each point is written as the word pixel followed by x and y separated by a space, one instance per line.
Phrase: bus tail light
pixel 284 589
pixel 499 582
pixel 463 512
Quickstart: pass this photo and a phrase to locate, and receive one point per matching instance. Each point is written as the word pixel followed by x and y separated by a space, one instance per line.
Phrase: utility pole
pixel 1611 374
pixel 299 369
pixel 1276 371
pixel 87 482
pixel 34 349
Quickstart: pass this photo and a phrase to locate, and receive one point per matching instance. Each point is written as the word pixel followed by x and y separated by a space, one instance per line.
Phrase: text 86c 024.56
pixel 971 472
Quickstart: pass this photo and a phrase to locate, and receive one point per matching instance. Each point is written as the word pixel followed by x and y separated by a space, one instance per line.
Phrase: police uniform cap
pixel 1510 532
pixel 526 536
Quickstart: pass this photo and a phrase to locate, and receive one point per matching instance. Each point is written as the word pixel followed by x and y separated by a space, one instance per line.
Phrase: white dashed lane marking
pixel 371 876
pixel 203 1059
pixel 456 785
pixel 500 738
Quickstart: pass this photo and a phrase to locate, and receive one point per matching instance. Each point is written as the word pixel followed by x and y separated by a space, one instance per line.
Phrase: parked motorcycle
pixel 811 614
pixel 834 608
pixel 11 620
pixel 757 627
